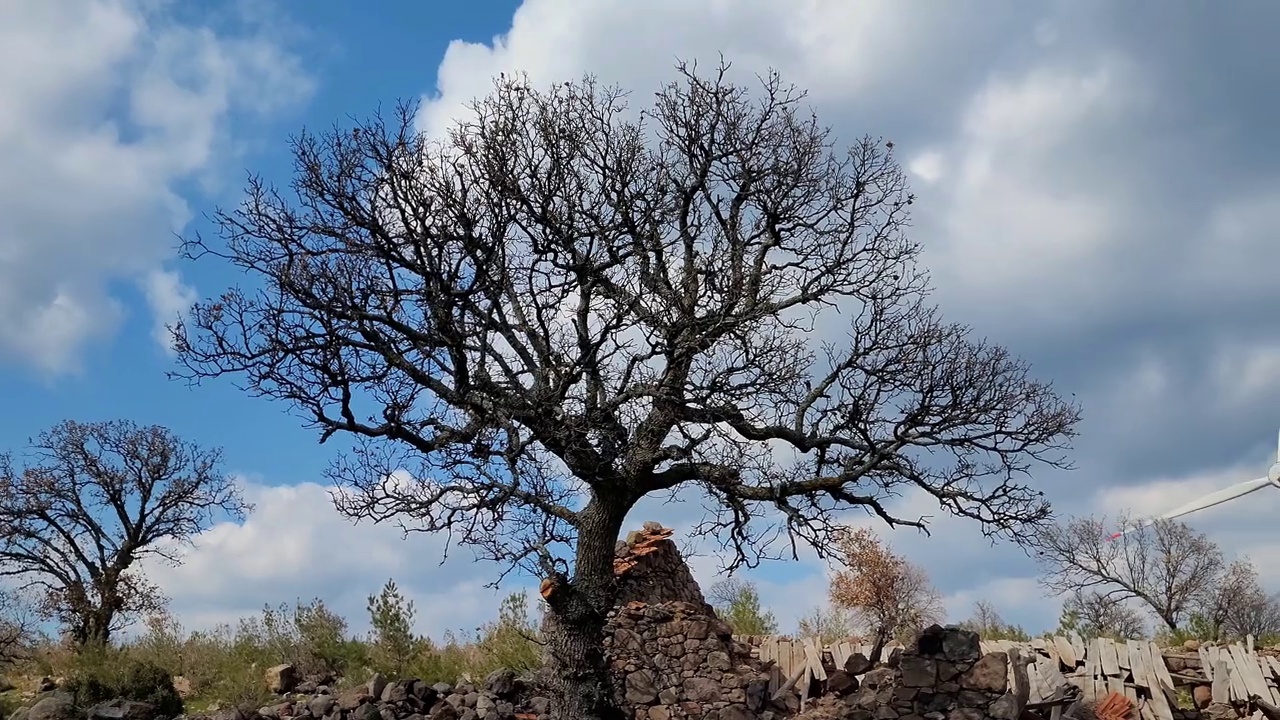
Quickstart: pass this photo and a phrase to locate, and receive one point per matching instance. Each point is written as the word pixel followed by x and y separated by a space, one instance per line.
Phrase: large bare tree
pixel 1166 565
pixel 563 306
pixel 89 502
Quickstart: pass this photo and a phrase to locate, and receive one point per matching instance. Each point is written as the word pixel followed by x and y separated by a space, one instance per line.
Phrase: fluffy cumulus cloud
pixel 295 546
pixel 110 108
pixel 1096 189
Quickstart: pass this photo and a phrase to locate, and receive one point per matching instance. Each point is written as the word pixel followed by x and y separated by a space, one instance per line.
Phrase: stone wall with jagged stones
pixel 673 660
pixel 942 676
pixel 650 569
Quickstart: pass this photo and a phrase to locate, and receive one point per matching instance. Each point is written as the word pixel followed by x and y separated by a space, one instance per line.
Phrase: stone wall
pixel 651 570
pixel 503 695
pixel 674 660
pixel 942 676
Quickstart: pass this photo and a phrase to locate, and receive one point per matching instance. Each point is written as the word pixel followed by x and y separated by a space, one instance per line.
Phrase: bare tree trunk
pixel 877 648
pixel 100 632
pixel 577 669
pixel 93 629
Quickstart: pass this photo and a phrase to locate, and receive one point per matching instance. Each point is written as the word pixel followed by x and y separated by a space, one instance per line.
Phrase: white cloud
pixel 1246 370
pixel 929 166
pixel 295 545
pixel 109 105
pixel 836 50
pixel 1019 600
pixel 1007 229
pixel 1240 252
pixel 170 299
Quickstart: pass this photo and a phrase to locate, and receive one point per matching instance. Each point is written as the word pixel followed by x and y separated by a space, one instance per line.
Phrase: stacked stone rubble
pixel 502 695
pixel 674 660
pixel 651 570
pixel 943 676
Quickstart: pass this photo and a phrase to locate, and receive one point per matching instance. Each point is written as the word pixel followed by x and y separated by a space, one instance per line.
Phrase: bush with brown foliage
pixel 889 595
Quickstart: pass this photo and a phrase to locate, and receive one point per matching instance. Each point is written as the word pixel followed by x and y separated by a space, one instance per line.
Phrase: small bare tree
pixel 985 616
pixel 562 307
pixel 1236 605
pixel 91 501
pixel 1230 594
pixel 890 596
pixel 987 621
pixel 827 624
pixel 19 630
pixel 1257 614
pixel 1166 565
pixel 1095 614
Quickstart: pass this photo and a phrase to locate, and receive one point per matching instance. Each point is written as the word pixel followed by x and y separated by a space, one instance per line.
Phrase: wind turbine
pixel 1215 498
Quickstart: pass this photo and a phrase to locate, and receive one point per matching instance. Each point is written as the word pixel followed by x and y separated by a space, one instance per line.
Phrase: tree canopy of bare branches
pixel 18 628
pixel 1167 566
pixel 987 621
pixel 90 501
pixel 826 624
pixel 890 596
pixel 1257 614
pixel 1236 605
pixel 1095 614
pixel 564 306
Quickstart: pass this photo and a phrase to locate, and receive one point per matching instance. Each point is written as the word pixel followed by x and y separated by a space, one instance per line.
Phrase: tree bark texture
pixel 577 668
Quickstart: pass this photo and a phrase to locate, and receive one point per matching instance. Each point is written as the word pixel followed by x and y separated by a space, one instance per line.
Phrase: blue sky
pixel 1098 191
pixel 353 61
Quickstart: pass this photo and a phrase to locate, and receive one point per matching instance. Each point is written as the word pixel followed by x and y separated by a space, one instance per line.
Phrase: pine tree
pixel 394 644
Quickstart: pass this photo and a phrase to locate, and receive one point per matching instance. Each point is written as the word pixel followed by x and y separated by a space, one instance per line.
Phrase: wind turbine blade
pixel 1278 451
pixel 1217 498
pixel 1208 501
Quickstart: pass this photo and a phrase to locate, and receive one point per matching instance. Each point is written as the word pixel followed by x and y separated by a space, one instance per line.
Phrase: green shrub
pixel 10 701
pixel 161 644
pixel 106 674
pixel 445 663
pixel 513 641
pixel 225 666
pixel 737 602
pixel 323 647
